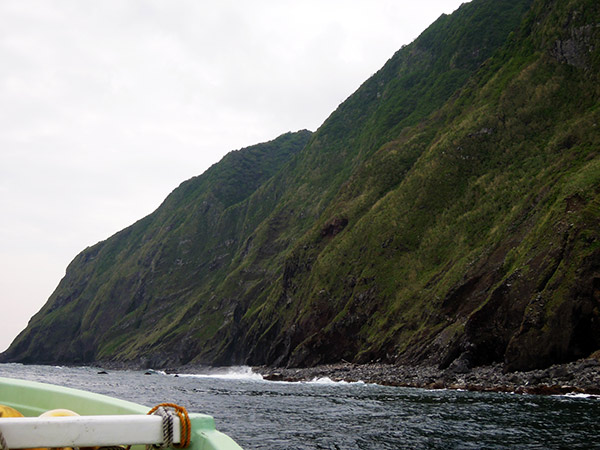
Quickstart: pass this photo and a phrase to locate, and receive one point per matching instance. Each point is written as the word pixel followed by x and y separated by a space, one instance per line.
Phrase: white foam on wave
pixel 157 372
pixel 579 395
pixel 246 373
pixel 329 382
pixel 230 373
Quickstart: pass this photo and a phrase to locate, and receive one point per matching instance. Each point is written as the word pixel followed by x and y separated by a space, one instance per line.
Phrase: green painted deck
pixel 33 398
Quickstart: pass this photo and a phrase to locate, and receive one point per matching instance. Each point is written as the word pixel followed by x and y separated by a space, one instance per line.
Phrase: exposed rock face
pixel 578 49
pixel 571 332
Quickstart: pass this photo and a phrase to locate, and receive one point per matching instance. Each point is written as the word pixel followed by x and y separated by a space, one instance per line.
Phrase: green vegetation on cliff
pixel 448 212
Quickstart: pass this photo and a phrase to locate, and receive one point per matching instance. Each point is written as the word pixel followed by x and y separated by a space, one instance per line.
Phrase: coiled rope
pixel 165 411
pixel 3 444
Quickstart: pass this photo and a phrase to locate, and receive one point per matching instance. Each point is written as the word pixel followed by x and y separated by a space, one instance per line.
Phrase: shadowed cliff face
pixel 447 213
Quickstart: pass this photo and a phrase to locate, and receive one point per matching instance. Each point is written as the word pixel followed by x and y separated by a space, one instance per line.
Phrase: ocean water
pixel 322 414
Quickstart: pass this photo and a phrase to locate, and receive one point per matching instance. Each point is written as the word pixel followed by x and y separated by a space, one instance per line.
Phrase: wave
pixel 579 395
pixel 155 372
pixel 229 373
pixel 245 373
pixel 329 382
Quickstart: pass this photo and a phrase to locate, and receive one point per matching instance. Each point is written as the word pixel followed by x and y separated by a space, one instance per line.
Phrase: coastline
pixel 579 377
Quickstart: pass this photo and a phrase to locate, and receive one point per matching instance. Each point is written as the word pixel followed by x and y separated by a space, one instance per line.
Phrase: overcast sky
pixel 107 106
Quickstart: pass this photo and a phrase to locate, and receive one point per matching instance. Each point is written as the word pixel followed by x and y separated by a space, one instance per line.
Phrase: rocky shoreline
pixel 580 377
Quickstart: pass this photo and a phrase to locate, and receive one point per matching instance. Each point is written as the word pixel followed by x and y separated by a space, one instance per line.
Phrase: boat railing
pixel 85 431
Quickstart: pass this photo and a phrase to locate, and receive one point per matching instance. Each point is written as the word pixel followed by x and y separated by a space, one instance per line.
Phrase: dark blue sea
pixel 322 414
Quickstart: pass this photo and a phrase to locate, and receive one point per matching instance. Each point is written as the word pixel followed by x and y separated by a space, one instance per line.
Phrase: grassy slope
pixel 131 290
pixel 472 234
pixel 422 76
pixel 447 211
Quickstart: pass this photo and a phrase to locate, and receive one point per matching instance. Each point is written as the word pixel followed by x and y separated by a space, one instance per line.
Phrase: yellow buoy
pixel 59 413
pixel 7 411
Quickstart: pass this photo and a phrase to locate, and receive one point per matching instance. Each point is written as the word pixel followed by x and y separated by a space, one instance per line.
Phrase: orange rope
pixel 184 420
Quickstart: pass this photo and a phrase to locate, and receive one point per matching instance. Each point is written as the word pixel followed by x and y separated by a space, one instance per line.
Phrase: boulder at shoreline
pixel 582 377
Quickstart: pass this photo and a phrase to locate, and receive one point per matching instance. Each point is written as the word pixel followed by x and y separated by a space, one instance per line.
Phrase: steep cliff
pixel 132 290
pixel 448 212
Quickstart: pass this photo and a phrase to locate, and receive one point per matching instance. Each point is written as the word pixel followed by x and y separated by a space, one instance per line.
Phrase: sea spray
pixel 227 373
